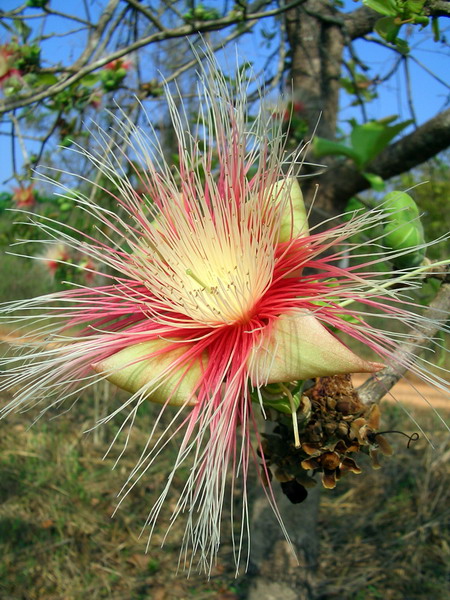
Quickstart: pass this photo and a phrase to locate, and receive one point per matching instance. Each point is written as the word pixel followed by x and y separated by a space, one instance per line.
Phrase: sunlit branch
pixel 436 315
pixel 345 180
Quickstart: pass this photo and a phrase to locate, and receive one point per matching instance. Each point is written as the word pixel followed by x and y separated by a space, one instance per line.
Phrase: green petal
pixel 138 368
pixel 294 220
pixel 300 347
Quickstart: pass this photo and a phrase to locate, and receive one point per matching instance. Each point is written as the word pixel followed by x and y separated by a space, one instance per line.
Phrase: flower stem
pixel 287 391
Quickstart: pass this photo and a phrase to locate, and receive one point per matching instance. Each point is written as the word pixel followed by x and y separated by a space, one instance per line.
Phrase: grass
pixel 384 534
pixel 57 538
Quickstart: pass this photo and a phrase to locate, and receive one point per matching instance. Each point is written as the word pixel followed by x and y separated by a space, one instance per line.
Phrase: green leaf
pixel 282 405
pixel 403 229
pixel 384 7
pixel 22 29
pixel 66 142
pixel 90 79
pixel 415 6
pixel 37 3
pixel 369 139
pixel 388 29
pixel 324 147
pixel 45 79
pixel 376 182
pixel 402 46
pixel 274 397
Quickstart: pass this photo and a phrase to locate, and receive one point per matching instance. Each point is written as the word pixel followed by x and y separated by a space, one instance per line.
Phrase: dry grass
pixel 57 538
pixel 384 534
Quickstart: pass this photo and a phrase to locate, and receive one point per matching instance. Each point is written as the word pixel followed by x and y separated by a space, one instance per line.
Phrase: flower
pixel 24 196
pixel 65 264
pixel 54 256
pixel 119 63
pixel 113 73
pixel 217 289
pixel 8 57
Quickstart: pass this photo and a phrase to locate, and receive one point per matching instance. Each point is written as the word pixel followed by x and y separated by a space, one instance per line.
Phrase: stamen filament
pixel 396 280
pixel 191 273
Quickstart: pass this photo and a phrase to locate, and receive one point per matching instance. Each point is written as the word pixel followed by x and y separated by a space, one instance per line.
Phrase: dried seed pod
pixel 295 491
pixel 282 476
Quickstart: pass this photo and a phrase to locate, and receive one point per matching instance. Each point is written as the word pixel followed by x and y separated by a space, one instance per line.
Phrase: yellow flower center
pixel 210 270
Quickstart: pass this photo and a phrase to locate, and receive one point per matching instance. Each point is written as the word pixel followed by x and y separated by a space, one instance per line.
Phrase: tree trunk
pixel 317 34
pixel 316 43
pixel 316 39
pixel 275 572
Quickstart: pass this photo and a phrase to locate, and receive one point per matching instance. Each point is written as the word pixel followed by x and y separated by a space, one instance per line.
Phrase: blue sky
pixel 429 95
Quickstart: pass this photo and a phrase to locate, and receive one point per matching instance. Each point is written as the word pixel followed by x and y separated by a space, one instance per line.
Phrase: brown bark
pixel 275 572
pixel 360 22
pixel 343 180
pixel 377 386
pixel 317 34
pixel 316 44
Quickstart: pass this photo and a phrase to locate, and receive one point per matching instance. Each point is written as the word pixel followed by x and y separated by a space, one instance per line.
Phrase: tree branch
pixel 360 22
pixel 343 180
pixel 147 13
pixel 438 8
pixel 437 313
pixel 177 32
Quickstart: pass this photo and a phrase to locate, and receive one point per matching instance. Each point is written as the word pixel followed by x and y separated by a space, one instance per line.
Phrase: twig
pixel 147 13
pixel 355 84
pixel 101 48
pixel 20 138
pixel 48 135
pixel 409 92
pixel 13 147
pixel 430 72
pixel 84 68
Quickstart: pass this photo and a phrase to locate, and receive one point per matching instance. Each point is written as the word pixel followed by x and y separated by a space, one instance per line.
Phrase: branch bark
pixel 316 38
pixel 438 8
pixel 360 22
pixel 343 180
pixel 83 67
pixel 437 313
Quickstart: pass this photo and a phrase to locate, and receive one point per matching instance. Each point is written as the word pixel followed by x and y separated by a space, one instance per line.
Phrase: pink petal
pixel 294 220
pixel 158 368
pixel 297 347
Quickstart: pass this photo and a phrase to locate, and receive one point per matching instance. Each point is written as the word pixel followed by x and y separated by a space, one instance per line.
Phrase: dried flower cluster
pixel 334 426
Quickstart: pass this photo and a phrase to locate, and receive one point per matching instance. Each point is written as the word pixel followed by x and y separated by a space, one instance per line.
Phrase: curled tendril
pixel 411 438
